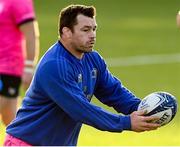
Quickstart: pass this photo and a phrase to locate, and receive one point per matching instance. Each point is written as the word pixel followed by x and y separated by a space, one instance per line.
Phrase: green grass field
pixel 127 28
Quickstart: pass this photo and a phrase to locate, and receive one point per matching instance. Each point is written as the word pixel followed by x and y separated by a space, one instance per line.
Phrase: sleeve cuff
pixel 126 121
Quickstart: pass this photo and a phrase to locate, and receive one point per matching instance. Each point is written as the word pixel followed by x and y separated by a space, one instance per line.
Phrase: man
pixel 68 75
pixel 18 29
pixel 178 19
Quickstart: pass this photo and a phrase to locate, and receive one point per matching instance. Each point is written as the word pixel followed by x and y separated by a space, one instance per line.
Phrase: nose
pixel 92 35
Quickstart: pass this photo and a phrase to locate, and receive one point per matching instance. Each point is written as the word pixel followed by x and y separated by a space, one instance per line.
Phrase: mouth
pixel 92 42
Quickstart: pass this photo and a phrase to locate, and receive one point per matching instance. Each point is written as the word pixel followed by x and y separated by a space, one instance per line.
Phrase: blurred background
pixel 140 41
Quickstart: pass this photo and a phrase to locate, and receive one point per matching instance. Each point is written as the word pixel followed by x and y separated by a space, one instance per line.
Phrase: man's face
pixel 84 34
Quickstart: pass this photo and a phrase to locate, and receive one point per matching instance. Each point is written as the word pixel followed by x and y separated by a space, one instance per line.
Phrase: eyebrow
pixel 90 26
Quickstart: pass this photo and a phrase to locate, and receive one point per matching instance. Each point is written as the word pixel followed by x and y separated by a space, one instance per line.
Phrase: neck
pixel 70 48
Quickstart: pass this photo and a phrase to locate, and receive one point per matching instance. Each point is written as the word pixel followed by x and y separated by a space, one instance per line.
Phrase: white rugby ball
pixel 160 104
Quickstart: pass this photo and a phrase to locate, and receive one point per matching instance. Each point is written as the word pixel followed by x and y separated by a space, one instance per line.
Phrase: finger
pixel 149 129
pixel 151 125
pixel 146 126
pixel 142 112
pixel 151 118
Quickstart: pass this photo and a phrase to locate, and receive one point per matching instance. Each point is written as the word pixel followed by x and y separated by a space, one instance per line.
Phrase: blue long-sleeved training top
pixel 58 99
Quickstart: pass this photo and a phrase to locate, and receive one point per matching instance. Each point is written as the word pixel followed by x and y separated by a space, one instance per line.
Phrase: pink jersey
pixel 12 14
pixel 13 141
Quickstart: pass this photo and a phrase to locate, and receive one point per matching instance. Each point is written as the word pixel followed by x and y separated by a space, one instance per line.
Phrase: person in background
pixel 19 49
pixel 178 19
pixel 57 102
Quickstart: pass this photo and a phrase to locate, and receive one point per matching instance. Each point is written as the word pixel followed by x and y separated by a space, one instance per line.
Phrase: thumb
pixel 142 112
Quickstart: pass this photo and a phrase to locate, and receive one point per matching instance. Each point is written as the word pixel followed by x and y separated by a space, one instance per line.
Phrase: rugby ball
pixel 160 104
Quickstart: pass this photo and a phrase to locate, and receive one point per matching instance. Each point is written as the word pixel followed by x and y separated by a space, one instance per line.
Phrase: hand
pixel 178 19
pixel 140 123
pixel 26 79
pixel 28 73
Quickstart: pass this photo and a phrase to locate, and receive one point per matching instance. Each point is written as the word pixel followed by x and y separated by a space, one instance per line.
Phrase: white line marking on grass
pixel 143 60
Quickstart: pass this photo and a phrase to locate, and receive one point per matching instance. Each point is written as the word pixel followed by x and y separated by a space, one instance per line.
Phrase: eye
pixel 85 30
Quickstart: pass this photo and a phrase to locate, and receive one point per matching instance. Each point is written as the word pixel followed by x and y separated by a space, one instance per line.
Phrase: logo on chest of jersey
pixel 94 73
pixel 79 78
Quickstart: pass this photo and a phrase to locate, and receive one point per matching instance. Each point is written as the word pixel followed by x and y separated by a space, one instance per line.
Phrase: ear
pixel 66 32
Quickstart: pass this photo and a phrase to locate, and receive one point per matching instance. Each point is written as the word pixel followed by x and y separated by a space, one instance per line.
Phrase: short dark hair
pixel 68 15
